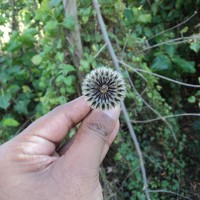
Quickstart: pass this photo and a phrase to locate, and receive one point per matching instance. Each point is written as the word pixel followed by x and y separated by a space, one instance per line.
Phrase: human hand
pixel 32 169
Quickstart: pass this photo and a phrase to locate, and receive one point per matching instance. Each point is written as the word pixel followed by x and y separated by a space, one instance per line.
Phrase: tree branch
pixel 180 40
pixel 100 50
pixel 159 76
pixel 151 108
pixel 126 116
pixel 169 192
pixel 164 117
pixel 141 75
pixel 180 24
pixel 74 38
pixel 14 22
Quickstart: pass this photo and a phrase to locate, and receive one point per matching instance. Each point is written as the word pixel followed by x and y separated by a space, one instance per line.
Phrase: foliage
pixel 34 74
pixel 37 74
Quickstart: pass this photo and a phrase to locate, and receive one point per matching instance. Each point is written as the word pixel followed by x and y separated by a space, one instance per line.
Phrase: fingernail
pixel 113 113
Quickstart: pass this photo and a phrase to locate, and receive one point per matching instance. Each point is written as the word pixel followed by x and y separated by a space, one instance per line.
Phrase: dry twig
pixel 169 192
pixel 127 119
pixel 164 117
pixel 151 108
pixel 159 76
pixel 180 24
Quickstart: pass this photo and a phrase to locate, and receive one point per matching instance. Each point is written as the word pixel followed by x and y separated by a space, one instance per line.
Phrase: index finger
pixel 54 125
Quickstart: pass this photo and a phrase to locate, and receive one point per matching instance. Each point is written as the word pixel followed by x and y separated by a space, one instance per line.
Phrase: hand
pixel 32 169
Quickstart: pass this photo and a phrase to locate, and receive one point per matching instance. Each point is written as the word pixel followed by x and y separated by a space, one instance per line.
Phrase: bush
pixel 37 73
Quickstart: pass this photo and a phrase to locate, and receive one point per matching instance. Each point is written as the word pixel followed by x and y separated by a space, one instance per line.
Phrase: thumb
pixel 92 136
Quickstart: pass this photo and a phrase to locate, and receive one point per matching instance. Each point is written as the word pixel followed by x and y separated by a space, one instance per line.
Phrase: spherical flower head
pixel 104 88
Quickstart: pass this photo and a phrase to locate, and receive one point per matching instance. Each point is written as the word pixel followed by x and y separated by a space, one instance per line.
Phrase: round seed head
pixel 103 88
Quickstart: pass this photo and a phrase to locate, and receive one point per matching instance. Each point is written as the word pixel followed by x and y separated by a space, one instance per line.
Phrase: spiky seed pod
pixel 104 88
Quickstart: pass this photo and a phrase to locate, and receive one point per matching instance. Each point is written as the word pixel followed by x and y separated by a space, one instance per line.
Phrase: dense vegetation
pixel 38 72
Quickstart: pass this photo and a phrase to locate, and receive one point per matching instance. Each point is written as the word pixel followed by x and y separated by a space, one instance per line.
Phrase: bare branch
pixel 168 79
pixel 14 23
pixel 141 75
pixel 180 40
pixel 170 192
pixel 168 116
pixel 128 175
pixel 180 24
pixel 126 116
pixel 151 108
pixel 105 35
pixel 100 50
pixel 160 76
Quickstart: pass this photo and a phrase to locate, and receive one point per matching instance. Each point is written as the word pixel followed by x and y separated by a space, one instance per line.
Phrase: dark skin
pixel 31 168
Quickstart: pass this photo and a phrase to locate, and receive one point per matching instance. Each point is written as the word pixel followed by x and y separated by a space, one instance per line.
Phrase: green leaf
pixel 54 3
pixel 22 75
pixel 1 33
pixel 171 49
pixel 117 156
pixel 186 66
pixel 70 90
pixel 36 60
pixel 21 106
pixel 28 36
pixel 192 99
pixel 51 26
pixel 69 80
pixel 14 42
pixel 144 18
pixel 69 22
pixel 195 46
pixel 15 69
pixel 154 8
pixel 66 68
pixel 59 79
pixel 59 44
pixel 2 20
pixel 4 77
pixel 12 89
pixel 178 3
pixel 43 13
pixel 129 16
pixel 161 63
pixel 84 65
pixel 85 14
pixel 5 101
pixel 45 5
pixel 10 122
pixel 184 30
pixel 60 56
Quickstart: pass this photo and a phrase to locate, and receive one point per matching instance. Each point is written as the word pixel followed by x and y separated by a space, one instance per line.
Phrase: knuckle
pixel 98 127
pixel 99 123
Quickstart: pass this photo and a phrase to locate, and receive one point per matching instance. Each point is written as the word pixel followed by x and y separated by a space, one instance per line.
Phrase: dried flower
pixel 104 88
